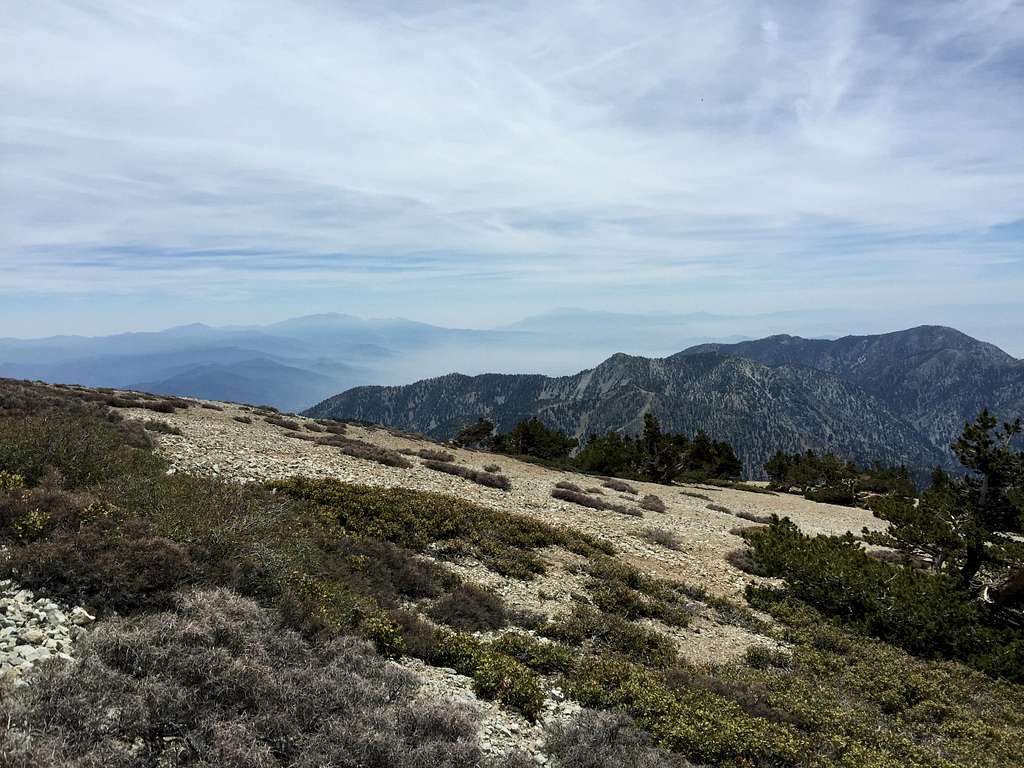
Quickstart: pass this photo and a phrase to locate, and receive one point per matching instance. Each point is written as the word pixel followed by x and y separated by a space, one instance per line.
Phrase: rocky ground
pixel 702 519
pixel 35 629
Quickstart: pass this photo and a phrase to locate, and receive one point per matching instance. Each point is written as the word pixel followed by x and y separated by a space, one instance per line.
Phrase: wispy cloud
pixel 692 153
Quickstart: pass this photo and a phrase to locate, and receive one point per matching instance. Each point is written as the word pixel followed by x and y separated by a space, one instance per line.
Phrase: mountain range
pixel 897 397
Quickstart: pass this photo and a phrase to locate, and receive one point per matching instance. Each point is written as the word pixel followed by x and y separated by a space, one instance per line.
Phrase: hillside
pixel 198 574
pixel 757 408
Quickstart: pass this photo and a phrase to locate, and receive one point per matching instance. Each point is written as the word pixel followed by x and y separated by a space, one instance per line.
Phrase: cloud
pixel 690 151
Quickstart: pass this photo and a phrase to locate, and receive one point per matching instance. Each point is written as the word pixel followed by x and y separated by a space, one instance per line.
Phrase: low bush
pixel 663 538
pixel 495 676
pixel 211 407
pixel 692 495
pixel 567 486
pixel 434 454
pixel 652 503
pixel 492 468
pixel 612 634
pixel 720 508
pixel 279 421
pixel 85 450
pixel 594 739
pixel 360 449
pixel 545 657
pixel 699 724
pixel 216 682
pixel 108 567
pixel 620 485
pixel 243 419
pixel 488 479
pixel 596 491
pixel 565 494
pixel 162 427
pixel 753 517
pixel 471 608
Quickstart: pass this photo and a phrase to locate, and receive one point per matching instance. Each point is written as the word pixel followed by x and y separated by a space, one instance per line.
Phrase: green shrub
pixel 84 450
pixel 507 681
pixel 544 657
pixel 697 723
pixel 613 634
pixel 928 614
pixel 386 635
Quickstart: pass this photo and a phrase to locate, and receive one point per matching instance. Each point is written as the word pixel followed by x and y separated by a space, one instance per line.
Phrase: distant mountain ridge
pixel 936 378
pixel 898 398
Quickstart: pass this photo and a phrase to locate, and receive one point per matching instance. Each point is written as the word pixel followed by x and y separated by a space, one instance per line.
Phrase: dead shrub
pixel 594 739
pixel 488 479
pixel 588 501
pixel 620 485
pixel 435 455
pixel 753 517
pixel 471 608
pixel 652 503
pixel 360 449
pixel 663 538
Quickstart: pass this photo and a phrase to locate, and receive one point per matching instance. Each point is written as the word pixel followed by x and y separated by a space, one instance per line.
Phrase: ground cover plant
pixel 480 477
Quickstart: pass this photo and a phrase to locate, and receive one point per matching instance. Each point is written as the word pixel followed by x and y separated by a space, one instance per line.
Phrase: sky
pixel 472 163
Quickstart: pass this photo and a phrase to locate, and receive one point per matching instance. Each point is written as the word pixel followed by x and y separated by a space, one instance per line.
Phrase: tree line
pixel 654 456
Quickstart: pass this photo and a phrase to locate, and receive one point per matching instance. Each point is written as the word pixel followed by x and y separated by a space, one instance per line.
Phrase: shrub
pixel 698 723
pixel 360 449
pixel 492 468
pixel 544 657
pixel 211 407
pixel 652 503
pixel 488 479
pixel 284 423
pixel 584 500
pixel 217 683
pixel 508 682
pixel 596 491
pixel 85 450
pixel 720 508
pixel 243 419
pixel 928 614
pixel 604 740
pixel 763 657
pixel 663 538
pixel 386 636
pixel 567 486
pixel 469 607
pixel 126 568
pixel 753 517
pixel 620 485
pixel 155 425
pixel 701 496
pixel 612 634
pixel 435 454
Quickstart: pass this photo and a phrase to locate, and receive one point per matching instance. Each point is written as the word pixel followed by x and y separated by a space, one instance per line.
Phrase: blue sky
pixel 471 163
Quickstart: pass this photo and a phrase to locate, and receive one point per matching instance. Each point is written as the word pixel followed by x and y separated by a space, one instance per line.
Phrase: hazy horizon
pixel 473 164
